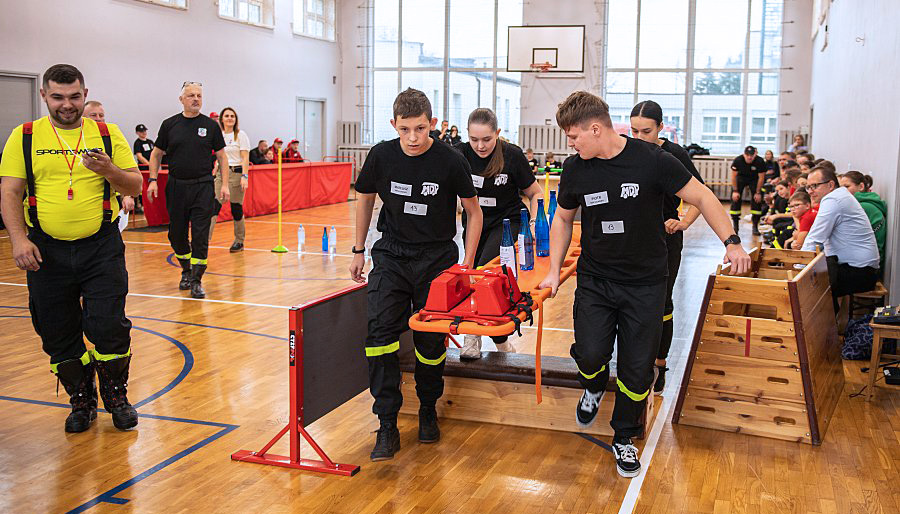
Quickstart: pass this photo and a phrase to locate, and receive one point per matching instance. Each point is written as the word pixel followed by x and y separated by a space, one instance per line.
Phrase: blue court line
pixel 596 441
pixel 110 496
pixel 201 325
pixel 170 259
pixel 185 368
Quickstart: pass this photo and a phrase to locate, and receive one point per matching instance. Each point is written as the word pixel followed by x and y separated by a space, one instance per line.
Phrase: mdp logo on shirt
pixel 201 131
pixel 630 190
pixel 501 179
pixel 429 189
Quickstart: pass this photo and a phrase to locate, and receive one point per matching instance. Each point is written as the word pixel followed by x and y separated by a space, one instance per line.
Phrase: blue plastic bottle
pixel 542 231
pixel 324 240
pixel 526 243
pixel 508 248
pixel 551 210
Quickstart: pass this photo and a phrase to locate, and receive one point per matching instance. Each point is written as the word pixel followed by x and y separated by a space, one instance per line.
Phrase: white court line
pixel 634 488
pixel 127 241
pixel 298 223
pixel 248 304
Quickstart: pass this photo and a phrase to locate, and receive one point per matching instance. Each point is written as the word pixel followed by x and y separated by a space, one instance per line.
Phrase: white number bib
pixel 478 181
pixel 487 202
pixel 401 189
pixel 418 209
pixel 613 227
pixel 596 199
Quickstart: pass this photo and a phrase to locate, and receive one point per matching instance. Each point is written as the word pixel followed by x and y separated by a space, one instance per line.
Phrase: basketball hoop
pixel 540 67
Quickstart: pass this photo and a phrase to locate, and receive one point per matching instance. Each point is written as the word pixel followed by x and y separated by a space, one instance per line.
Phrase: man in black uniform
pixel 419 180
pixel 747 170
pixel 143 146
pixel 188 139
pixel 620 184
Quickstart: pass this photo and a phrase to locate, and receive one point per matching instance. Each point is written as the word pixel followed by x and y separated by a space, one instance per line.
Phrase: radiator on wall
pixel 349 133
pixel 354 154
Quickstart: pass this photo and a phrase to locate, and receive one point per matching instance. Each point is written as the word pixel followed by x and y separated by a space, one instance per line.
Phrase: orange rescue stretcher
pixel 488 302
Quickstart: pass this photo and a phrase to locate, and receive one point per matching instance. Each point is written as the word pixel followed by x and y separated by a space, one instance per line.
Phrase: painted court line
pixel 127 241
pixel 164 297
pixel 298 223
pixel 634 488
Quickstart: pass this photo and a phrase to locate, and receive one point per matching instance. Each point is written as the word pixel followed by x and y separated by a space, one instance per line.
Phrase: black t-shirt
pixel 553 164
pixel 533 164
pixel 419 193
pixel 257 157
pixel 748 170
pixel 779 204
pixel 670 205
pixel 188 142
pixel 499 196
pixel 621 202
pixel 143 147
pixel 773 170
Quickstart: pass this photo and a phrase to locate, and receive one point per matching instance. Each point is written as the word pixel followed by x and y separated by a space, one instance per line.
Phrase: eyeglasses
pixel 810 187
pixel 189 83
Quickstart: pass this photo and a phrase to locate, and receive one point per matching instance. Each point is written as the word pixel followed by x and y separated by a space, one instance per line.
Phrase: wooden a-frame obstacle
pixel 765 358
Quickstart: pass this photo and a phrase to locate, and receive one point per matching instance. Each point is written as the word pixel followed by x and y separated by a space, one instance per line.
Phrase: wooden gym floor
pixel 209 377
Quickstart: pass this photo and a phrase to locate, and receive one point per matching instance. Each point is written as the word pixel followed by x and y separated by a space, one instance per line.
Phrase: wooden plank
pixel 731 294
pixel 825 366
pixel 695 344
pixel 508 403
pixel 746 415
pixel 785 259
pixel 769 339
pixel 775 273
pixel 748 376
pixel 812 283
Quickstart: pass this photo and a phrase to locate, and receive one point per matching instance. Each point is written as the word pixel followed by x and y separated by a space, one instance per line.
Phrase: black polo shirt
pixel 499 196
pixel 670 205
pixel 622 239
pixel 143 147
pixel 188 143
pixel 751 170
pixel 419 193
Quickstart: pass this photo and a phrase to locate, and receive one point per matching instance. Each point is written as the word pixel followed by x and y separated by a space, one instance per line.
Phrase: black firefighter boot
pixel 113 375
pixel 755 219
pixel 197 274
pixel 185 283
pixel 78 381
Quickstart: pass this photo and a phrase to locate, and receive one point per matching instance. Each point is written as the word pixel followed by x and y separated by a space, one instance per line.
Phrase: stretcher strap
pixel 537 356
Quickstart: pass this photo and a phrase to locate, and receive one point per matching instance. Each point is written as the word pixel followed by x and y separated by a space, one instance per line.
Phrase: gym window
pixel 713 66
pixel 251 12
pixel 176 4
pixel 314 18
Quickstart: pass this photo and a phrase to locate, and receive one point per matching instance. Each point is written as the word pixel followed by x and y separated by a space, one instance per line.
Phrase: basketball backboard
pixel 562 46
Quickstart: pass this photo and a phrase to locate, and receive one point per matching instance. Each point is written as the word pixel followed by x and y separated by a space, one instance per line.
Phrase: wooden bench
pixel 499 388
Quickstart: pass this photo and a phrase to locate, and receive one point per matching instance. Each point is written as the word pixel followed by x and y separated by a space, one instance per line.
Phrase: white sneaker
pixel 471 347
pixel 507 347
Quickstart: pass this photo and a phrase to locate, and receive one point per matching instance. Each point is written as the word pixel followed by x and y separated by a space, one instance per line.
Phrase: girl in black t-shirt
pixel 646 123
pixel 501 176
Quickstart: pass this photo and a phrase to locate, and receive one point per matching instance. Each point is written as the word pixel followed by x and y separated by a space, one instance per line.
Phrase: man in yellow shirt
pixel 70 166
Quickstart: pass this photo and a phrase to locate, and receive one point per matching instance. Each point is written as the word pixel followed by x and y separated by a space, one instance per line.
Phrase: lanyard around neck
pixel 71 166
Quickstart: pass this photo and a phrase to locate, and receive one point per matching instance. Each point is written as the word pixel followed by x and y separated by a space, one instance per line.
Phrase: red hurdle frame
pixel 295 424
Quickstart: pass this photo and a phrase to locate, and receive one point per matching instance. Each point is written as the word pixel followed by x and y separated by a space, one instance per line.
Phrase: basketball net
pixel 540 67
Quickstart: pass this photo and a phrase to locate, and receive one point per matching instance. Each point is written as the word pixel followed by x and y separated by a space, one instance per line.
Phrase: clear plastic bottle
pixel 332 240
pixel 301 238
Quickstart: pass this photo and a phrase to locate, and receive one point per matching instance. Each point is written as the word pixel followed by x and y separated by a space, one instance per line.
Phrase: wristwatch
pixel 245 176
pixel 354 250
pixel 733 239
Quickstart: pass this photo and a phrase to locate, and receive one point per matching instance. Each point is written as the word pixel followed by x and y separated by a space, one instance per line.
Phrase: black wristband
pixel 354 250
pixel 151 179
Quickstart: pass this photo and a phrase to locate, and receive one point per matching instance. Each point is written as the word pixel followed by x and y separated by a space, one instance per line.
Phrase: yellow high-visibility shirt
pixel 60 217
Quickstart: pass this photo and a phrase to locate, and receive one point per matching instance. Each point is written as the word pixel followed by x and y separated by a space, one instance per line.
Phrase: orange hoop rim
pixel 540 67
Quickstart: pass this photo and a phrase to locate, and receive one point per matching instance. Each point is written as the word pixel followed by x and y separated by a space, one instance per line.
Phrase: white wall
pixel 542 93
pixel 135 57
pixel 796 61
pixel 856 120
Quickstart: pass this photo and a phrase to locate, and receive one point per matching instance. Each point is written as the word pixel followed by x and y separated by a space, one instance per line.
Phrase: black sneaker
pixel 587 408
pixel 185 283
pixel 755 230
pixel 197 290
pixel 429 431
pixel 660 382
pixel 627 463
pixel 236 247
pixel 387 442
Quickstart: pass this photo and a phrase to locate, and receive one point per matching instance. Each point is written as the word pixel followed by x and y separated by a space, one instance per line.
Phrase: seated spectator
pixel 773 169
pixel 532 160
pixel 291 154
pixel 860 186
pixel 799 144
pixel 785 157
pixel 454 139
pixel 844 229
pixel 793 175
pixel 780 218
pixel 143 147
pixel 258 154
pixel 274 150
pixel 804 214
pixel 94 110
pixel 551 162
pixel 802 181
pixel 443 135
pixel 824 163
pixel 214 116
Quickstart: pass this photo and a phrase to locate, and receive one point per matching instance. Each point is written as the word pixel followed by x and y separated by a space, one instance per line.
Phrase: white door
pixel 310 126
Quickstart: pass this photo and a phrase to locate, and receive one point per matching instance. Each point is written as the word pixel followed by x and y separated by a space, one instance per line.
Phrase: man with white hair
pixel 188 139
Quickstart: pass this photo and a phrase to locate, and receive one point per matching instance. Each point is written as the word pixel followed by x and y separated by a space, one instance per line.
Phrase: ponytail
pixel 485 116
pixel 859 179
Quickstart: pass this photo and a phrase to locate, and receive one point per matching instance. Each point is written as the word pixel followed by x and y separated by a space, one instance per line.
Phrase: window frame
pixel 689 115
pixel 334 21
pixel 267 10
pixel 168 3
